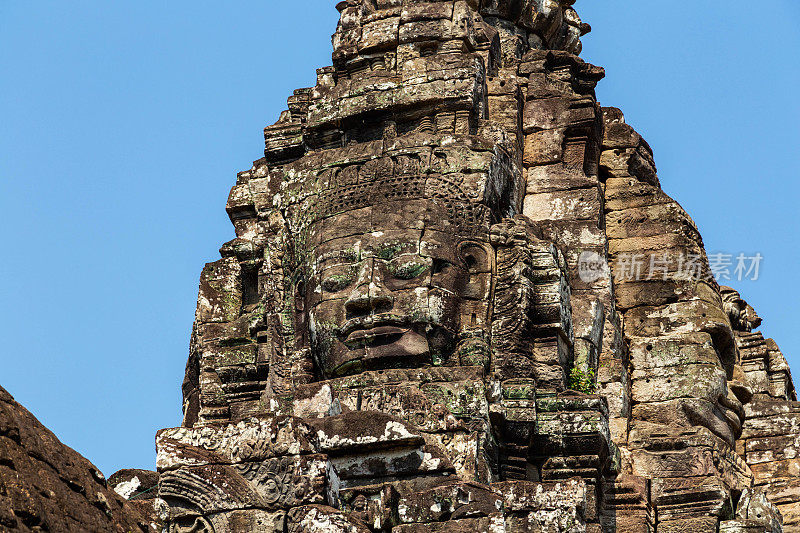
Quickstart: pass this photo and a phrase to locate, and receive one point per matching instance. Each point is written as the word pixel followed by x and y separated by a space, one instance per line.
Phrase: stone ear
pixel 300 296
pixel 477 261
pixel 299 304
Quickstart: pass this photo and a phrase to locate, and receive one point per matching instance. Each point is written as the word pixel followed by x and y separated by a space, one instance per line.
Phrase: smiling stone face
pixel 385 297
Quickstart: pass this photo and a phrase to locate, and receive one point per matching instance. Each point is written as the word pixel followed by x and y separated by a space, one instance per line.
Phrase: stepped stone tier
pixel 422 325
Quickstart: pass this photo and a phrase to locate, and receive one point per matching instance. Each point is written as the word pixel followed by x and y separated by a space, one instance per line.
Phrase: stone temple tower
pixel 458 300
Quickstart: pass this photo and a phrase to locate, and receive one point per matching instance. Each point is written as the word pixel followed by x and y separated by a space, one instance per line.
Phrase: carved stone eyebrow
pixel 346 255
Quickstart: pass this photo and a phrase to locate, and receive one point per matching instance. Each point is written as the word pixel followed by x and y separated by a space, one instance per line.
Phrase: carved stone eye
pixel 336 282
pixel 406 269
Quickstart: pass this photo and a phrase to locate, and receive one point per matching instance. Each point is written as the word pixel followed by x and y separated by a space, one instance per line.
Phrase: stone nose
pixel 367 304
pixel 739 385
pixel 369 298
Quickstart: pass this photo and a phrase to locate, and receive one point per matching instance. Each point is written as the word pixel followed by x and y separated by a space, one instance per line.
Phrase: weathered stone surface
pixel 140 488
pixel 46 486
pixel 135 484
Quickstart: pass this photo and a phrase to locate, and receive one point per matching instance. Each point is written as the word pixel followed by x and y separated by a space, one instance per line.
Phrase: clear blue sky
pixel 123 124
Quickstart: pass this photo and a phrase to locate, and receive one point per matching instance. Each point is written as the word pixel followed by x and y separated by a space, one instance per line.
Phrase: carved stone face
pixel 716 405
pixel 382 297
pixel 683 382
pixel 742 315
